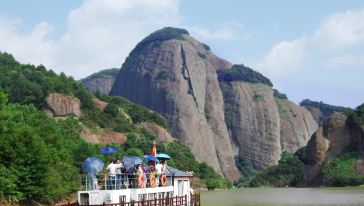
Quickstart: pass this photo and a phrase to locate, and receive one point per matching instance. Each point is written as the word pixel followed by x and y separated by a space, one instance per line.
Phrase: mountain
pixel 217 109
pixel 321 111
pixel 101 81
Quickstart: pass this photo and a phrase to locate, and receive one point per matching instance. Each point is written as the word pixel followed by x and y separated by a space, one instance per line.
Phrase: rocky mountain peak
pixel 217 109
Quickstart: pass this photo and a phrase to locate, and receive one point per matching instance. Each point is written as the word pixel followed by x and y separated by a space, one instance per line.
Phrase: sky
pixel 309 49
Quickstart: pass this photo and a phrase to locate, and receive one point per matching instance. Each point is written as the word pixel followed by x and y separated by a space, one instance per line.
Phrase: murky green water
pixel 284 197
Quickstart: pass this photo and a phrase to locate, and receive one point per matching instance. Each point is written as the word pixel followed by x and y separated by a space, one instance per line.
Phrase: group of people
pixel 119 178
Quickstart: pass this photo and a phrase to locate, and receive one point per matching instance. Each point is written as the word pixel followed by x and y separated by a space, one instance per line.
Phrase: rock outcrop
pixel 105 137
pixel 175 75
pixel 101 81
pixel 321 111
pixel 161 133
pixel 60 105
pixel 326 143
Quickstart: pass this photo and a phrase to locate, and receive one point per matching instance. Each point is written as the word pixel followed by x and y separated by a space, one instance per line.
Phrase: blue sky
pixel 309 49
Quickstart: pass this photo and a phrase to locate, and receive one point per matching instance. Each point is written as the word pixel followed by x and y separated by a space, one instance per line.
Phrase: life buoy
pixel 164 180
pixel 141 181
pixel 153 180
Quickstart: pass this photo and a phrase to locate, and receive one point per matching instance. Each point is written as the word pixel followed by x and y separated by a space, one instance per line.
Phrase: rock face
pixel 325 144
pixel 261 126
pixel 60 105
pixel 175 75
pixel 108 137
pixel 101 81
pixel 161 133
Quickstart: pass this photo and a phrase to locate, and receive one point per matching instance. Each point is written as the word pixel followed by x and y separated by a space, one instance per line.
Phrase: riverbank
pixel 353 196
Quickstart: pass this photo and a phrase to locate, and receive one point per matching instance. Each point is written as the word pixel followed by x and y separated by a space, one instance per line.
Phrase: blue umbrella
pixel 92 165
pixel 108 150
pixel 129 164
pixel 162 156
pixel 150 158
pixel 137 160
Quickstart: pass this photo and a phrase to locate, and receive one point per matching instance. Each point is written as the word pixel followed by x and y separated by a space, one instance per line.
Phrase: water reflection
pixel 284 197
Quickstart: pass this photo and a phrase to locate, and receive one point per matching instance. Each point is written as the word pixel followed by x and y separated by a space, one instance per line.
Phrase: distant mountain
pixel 101 81
pixel 321 111
pixel 218 109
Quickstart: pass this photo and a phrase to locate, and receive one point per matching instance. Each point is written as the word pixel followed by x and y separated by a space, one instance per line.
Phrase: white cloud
pixel 338 36
pixel 355 61
pixel 99 35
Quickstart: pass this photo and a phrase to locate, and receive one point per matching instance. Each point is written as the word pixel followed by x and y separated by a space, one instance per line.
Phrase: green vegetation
pixel 107 73
pixel 325 109
pixel 289 170
pixel 283 113
pixel 356 118
pixel 136 112
pixel 279 95
pixel 242 73
pixel 206 47
pixel 182 158
pixel 258 98
pixel 163 75
pixel 341 170
pixel 247 172
pixel 202 55
pixel 28 84
pixel 41 157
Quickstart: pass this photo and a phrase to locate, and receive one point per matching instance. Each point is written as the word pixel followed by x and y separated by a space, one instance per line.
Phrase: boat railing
pixel 167 201
pixel 120 181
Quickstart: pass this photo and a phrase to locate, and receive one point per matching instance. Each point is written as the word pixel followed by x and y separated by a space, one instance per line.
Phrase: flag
pixel 154 150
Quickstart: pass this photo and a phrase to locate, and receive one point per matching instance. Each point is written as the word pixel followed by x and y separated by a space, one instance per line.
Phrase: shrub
pixel 288 171
pixel 242 73
pixel 163 75
pixel 258 98
pixel 279 95
pixel 341 170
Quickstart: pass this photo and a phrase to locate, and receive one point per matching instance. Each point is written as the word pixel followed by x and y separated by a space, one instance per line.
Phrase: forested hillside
pixel 41 156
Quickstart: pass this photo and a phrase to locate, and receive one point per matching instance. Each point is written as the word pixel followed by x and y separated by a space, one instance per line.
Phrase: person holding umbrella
pixel 92 166
pixel 112 169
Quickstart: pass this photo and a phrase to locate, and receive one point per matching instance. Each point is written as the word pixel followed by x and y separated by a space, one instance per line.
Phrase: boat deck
pixel 168 201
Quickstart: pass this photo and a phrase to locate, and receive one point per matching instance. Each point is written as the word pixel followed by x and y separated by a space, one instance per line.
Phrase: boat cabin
pixel 173 189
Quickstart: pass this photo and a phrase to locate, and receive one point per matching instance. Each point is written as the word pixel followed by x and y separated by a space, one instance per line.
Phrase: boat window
pixel 142 197
pixel 185 187
pixel 152 196
pixel 161 195
pixel 122 198
pixel 180 187
pixel 84 199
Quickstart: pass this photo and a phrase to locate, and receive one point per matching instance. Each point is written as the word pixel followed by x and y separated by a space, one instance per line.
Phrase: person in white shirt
pixel 158 168
pixel 112 169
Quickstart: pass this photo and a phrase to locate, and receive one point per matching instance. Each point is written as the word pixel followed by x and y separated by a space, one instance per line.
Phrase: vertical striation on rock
pixel 176 79
pixel 175 75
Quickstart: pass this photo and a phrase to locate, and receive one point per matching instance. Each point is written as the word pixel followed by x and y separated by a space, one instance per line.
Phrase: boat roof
pixel 178 173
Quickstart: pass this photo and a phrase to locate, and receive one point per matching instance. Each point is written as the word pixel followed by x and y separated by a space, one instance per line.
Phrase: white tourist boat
pixel 175 191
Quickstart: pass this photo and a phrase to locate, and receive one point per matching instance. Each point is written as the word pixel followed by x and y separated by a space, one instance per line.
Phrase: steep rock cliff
pixel 172 73
pixel 176 78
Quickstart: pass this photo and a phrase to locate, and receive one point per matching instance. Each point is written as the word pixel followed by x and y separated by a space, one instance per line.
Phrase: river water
pixel 284 197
